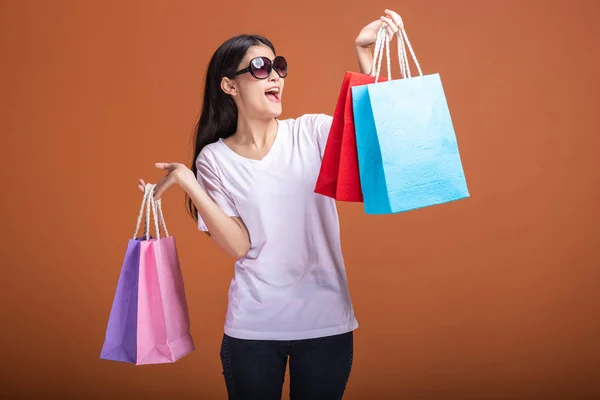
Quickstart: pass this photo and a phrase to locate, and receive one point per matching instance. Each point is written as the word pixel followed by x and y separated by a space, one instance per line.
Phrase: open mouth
pixel 273 94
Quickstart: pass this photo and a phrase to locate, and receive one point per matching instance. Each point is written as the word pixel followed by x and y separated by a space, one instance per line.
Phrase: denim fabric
pixel 319 368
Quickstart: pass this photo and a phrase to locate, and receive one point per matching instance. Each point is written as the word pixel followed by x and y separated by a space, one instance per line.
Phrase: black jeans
pixel 319 368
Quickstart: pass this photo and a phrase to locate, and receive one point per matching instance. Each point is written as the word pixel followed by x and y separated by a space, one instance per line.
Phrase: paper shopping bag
pixel 149 321
pixel 407 147
pixel 120 342
pixel 163 322
pixel 339 177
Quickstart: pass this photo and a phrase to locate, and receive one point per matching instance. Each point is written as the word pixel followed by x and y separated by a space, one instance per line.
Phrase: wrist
pixel 187 180
pixel 364 58
pixel 362 49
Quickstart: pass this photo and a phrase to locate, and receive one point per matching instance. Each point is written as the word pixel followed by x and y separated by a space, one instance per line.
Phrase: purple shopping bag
pixel 121 332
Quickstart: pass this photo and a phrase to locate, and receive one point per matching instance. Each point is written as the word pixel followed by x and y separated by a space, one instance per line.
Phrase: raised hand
pixel 176 175
pixel 368 35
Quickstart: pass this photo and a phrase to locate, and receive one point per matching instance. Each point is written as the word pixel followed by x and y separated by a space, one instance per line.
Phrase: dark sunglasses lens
pixel 280 66
pixel 261 67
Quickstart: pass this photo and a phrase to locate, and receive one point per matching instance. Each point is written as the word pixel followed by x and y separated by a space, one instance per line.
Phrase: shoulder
pixel 210 161
pixel 312 126
pixel 208 154
pixel 309 121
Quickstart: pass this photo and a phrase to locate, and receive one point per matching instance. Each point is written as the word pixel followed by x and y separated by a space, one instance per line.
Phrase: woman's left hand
pixel 368 34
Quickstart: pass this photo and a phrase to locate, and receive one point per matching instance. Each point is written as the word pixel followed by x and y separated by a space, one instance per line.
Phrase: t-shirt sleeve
pixel 319 125
pixel 210 180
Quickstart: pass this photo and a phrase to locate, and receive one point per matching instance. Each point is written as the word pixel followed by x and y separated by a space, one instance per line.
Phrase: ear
pixel 229 86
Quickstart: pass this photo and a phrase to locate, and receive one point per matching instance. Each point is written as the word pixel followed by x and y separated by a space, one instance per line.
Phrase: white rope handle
pixel 402 56
pixel 154 213
pixel 382 40
pixel 404 68
pixel 150 189
pixel 378 42
pixel 139 219
pixel 155 207
pixel 159 218
pixel 162 217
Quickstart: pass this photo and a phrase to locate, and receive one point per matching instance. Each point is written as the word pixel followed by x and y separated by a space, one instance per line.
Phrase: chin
pixel 274 112
pixel 266 110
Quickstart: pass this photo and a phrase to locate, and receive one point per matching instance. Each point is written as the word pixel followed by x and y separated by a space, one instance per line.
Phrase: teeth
pixel 273 90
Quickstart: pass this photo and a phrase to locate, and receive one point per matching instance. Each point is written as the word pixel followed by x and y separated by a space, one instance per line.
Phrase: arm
pixel 229 233
pixel 365 59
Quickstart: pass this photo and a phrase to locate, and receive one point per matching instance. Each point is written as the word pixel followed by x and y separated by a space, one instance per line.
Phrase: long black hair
pixel 219 113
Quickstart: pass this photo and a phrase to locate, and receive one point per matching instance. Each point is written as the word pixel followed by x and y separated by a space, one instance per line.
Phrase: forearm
pixel 365 59
pixel 224 231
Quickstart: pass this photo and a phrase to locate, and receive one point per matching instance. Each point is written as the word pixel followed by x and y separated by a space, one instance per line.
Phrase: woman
pixel 251 187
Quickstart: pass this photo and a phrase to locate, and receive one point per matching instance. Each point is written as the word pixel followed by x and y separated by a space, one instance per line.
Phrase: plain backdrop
pixel 492 297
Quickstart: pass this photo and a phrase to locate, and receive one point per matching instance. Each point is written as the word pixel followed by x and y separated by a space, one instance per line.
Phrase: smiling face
pixel 256 98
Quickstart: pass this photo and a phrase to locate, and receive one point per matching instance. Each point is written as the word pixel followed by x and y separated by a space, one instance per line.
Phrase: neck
pixel 257 133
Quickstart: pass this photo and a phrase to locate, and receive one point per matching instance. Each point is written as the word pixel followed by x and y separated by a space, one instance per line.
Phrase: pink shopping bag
pixel 163 322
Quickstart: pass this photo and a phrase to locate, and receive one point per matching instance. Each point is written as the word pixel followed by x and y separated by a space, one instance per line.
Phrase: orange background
pixel 493 297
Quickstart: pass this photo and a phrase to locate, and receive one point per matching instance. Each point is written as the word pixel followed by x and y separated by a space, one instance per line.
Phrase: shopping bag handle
pixel 382 41
pixel 156 207
pixel 402 56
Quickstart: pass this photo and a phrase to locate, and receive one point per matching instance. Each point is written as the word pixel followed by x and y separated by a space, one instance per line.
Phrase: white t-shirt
pixel 292 283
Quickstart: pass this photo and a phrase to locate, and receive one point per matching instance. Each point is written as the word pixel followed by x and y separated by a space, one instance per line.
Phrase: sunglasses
pixel 261 67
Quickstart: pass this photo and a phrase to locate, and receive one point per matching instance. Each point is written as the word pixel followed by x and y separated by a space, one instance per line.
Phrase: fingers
pixel 163 184
pixel 167 166
pixel 161 188
pixel 158 189
pixel 391 27
pixel 395 17
pixel 142 185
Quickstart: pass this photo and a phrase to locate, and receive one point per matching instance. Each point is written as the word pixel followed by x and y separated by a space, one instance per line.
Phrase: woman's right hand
pixel 177 174
pixel 229 233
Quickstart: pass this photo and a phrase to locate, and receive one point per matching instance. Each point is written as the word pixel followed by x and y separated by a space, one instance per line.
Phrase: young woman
pixel 251 187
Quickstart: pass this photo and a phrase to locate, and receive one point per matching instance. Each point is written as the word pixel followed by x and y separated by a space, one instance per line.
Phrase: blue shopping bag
pixel 407 148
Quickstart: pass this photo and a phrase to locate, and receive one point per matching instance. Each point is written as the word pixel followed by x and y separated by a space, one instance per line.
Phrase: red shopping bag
pixel 339 176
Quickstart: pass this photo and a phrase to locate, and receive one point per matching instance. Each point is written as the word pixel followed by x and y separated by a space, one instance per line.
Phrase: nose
pixel 274 77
